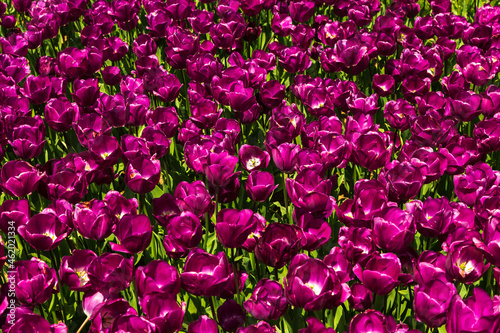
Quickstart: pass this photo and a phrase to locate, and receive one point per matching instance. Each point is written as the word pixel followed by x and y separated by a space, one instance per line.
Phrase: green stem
pixel 285 196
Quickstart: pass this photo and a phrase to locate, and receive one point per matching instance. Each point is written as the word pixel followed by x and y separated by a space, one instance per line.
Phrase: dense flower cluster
pixel 366 135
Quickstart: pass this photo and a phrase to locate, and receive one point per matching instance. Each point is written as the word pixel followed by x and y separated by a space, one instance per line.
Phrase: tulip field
pixel 274 166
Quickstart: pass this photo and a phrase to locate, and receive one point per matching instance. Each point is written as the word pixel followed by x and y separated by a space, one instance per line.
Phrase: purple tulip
pixel 310 192
pixel 253 158
pixel 233 227
pixel 433 216
pixel 143 174
pixel 60 114
pixel 312 285
pixel 356 243
pixel 285 157
pixel 106 312
pixel 134 233
pixel 183 232
pixel 35 280
pixel 110 273
pixel 260 185
pixel 220 168
pixel 163 310
pixel 130 322
pixel 208 275
pixel 371 150
pixel 93 219
pixel 267 302
pixel 74 270
pixel 260 327
pixel 203 325
pixel 369 321
pixel 381 273
pixel 361 298
pixel 465 262
pixel 475 314
pixel 315 326
pixel 164 208
pixel 111 75
pixel 16 211
pixel 157 277
pixel 75 63
pixel 404 180
pixel 278 244
pixel 399 114
pixel 394 230
pixel 487 134
pixel 44 231
pixel 383 84
pixel 230 315
pixel 19 178
pixel 294 60
pixel 432 301
pixel 37 89
pixel 272 93
pixel 31 322
pixel 316 231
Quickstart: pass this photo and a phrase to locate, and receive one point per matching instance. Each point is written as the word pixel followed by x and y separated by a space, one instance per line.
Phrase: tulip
pixel 404 181
pixel 93 219
pixel 361 298
pixel 111 75
pixel 272 93
pixel 312 285
pixel 220 168
pixel 86 92
pixel 143 174
pixel 27 137
pixel 465 262
pixel 371 150
pixel 278 244
pixel 60 114
pixel 394 230
pixel 44 231
pixel 37 89
pixel 75 63
pixel 106 312
pixel 74 270
pixel 19 178
pixel 157 277
pixel 369 321
pixel 399 114
pixel 110 273
pixel 183 233
pixel 260 185
pixel 267 302
pixel 337 261
pixel 475 314
pixel 432 301
pixel 356 243
pixel 130 322
pixel 31 322
pixel 35 281
pixel 294 60
pixel 203 325
pixel 315 326
pixel 134 233
pixel 316 231
pixel 233 227
pixel 383 84
pixel 164 208
pixel 285 157
pixel 163 310
pixel 230 315
pixel 253 158
pixel 433 216
pixel 208 275
pixel 14 213
pixel 260 327
pixel 381 273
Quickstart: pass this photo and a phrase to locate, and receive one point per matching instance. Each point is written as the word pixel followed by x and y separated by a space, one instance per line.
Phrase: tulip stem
pixel 235 273
pixel 285 196
pixel 206 231
pixel 83 325
pixel 211 302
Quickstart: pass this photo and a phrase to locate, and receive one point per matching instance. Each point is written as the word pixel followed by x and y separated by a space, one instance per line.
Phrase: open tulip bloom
pixel 249 166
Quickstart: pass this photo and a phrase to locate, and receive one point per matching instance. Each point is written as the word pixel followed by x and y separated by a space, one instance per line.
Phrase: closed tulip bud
pixel 260 185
